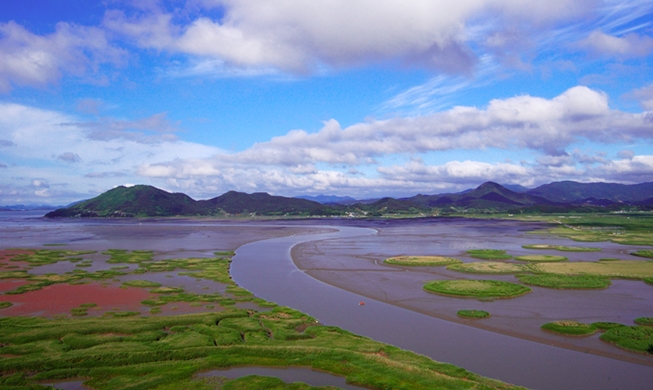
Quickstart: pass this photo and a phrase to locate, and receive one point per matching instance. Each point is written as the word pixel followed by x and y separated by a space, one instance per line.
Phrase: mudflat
pixel 356 264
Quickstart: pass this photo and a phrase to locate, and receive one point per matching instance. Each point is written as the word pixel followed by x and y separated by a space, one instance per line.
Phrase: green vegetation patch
pixel 570 328
pixel 141 283
pixel 127 350
pixel 4 304
pixel 564 248
pixel 166 352
pixel 643 253
pixel 124 256
pixel 489 267
pixel 628 269
pixel 645 321
pixel 565 281
pixel 632 338
pixel 421 260
pixel 489 254
pixel 541 258
pixel 473 313
pixel 476 288
pixel 167 290
pixel 603 325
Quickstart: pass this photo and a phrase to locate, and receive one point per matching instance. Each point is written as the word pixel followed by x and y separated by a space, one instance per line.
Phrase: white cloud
pixel 630 45
pixel 289 163
pixel 43 139
pixel 27 59
pixel 69 157
pixel 645 97
pixel 301 37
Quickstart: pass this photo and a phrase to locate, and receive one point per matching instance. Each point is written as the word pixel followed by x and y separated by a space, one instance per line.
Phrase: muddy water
pixel 266 268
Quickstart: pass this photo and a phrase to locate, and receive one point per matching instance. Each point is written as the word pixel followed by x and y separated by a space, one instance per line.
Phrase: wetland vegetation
pixel 422 260
pixel 565 281
pixel 129 349
pixel 489 254
pixel 473 314
pixel 476 288
pixel 541 258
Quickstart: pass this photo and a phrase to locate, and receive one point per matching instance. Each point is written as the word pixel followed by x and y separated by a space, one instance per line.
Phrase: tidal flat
pixel 353 262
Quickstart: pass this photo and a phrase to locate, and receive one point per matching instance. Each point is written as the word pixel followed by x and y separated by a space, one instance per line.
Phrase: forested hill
pixel 148 201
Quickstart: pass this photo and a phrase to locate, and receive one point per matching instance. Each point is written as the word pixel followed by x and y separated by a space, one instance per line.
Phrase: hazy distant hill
pixel 571 191
pixel 328 199
pixel 148 201
pixel 488 195
pixel 234 202
pixel 140 200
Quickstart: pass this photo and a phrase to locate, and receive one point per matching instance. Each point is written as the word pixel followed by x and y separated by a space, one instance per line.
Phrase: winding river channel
pixel 267 269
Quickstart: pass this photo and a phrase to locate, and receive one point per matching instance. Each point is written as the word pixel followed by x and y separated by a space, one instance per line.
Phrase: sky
pixel 360 98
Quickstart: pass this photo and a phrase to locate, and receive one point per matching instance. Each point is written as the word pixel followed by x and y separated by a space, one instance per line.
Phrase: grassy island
pixel 422 261
pixel 489 254
pixel 565 281
pixel 120 348
pixel 633 338
pixel 476 288
pixel 570 328
pixel 477 314
pixel 488 267
pixel 562 248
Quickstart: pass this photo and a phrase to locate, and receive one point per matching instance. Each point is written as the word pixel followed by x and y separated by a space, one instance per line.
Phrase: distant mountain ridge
pixel 324 199
pixel 148 201
pixel 571 191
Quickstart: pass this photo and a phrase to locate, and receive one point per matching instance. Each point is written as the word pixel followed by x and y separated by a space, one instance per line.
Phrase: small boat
pixel 361 303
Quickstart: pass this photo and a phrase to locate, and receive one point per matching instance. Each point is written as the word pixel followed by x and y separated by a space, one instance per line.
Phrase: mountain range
pixel 148 201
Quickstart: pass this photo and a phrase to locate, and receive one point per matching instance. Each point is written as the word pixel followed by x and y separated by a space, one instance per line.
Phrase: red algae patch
pixel 7 254
pixel 8 285
pixel 60 298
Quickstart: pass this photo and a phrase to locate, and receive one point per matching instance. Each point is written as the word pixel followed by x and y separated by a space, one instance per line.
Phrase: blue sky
pixel 361 98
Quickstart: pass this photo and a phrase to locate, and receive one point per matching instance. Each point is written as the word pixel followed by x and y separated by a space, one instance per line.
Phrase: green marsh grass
pixel 473 314
pixel 633 338
pixel 643 253
pixel 124 350
pixel 476 288
pixel 570 328
pixel 141 283
pixel 565 281
pixel 644 321
pixel 422 261
pixel 604 326
pixel 489 254
pixel 541 258
pixel 489 267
